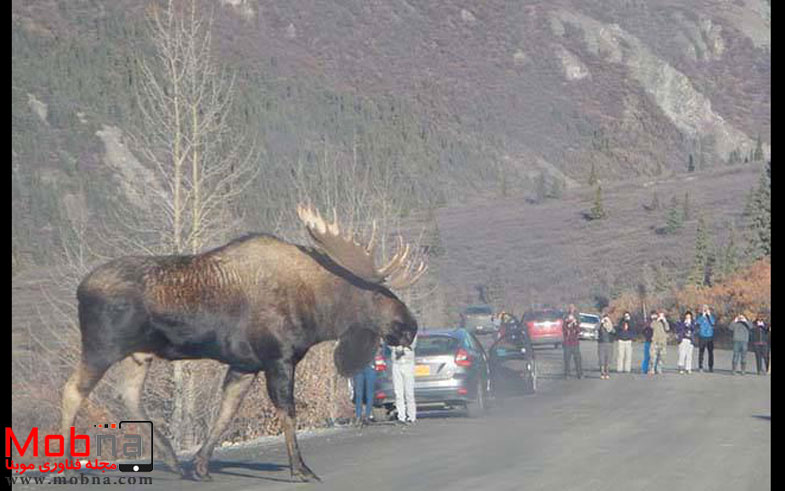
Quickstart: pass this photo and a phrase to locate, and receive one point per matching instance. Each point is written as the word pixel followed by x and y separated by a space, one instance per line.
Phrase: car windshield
pixel 589 319
pixel 478 310
pixel 436 345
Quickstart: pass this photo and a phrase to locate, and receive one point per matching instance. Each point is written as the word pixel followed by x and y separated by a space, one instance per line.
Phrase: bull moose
pixel 256 304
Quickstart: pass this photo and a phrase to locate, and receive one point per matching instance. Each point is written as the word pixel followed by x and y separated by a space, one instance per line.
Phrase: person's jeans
pixel 575 353
pixel 706 343
pixel 363 386
pixel 604 354
pixel 646 356
pixel 761 357
pixel 739 354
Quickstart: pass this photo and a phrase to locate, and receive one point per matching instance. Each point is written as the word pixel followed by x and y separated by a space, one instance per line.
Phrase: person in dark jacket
pixel 647 333
pixel 685 332
pixel 705 323
pixel 624 335
pixel 604 345
pixel 760 345
pixel 741 334
pixel 572 349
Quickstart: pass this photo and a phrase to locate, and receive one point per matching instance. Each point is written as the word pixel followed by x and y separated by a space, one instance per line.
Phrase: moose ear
pixel 356 347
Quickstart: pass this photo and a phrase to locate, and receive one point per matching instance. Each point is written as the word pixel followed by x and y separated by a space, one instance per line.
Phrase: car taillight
pixel 379 364
pixel 380 395
pixel 462 391
pixel 463 358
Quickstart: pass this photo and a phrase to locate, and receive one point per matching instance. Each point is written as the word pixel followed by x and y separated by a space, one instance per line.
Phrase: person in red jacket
pixel 571 328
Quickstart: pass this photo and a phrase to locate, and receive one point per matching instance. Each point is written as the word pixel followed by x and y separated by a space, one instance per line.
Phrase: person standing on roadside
pixel 363 391
pixel 624 356
pixel 647 333
pixel 760 345
pixel 705 322
pixel 403 382
pixel 686 332
pixel 741 335
pixel 659 343
pixel 571 344
pixel 604 345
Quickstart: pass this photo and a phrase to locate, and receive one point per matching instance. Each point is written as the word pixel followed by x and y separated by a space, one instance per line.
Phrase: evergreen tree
pixel 701 259
pixel 758 155
pixel 557 188
pixel 760 220
pixel 730 256
pixel 655 202
pixel 592 176
pixel 673 218
pixel 598 210
pixel 540 190
pixel 662 282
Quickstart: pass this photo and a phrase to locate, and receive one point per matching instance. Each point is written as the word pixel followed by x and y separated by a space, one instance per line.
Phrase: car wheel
pixel 477 408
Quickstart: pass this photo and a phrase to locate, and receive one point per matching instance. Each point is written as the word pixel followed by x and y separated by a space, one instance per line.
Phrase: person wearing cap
pixel 604 344
pixel 705 322
pixel 659 343
pixel 741 335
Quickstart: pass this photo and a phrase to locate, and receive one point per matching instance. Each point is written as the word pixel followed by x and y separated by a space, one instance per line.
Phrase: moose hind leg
pixel 280 387
pixel 235 386
pixel 135 369
pixel 77 388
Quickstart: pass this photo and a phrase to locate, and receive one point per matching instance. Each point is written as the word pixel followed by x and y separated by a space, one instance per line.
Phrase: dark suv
pixel 544 326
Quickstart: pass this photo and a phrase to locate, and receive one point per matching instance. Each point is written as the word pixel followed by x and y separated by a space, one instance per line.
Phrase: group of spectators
pixel 691 332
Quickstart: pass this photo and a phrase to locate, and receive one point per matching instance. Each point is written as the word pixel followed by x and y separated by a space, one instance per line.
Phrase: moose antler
pixel 399 272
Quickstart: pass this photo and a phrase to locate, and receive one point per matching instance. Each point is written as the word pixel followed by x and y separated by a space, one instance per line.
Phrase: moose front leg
pixel 280 387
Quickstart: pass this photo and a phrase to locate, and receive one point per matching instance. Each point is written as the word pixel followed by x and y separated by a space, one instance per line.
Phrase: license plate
pixel 422 370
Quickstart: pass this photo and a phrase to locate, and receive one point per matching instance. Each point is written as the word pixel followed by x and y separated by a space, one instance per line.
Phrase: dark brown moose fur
pixel 255 304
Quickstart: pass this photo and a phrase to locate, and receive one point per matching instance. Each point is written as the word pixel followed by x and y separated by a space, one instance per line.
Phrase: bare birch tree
pixel 201 165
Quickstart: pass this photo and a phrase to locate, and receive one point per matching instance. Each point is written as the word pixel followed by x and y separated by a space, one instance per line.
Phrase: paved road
pixel 633 432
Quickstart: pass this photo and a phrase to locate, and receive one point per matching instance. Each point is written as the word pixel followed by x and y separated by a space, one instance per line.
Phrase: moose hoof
pixel 304 474
pixel 200 472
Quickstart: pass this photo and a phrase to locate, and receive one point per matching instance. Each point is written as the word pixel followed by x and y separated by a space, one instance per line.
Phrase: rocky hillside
pixel 493 98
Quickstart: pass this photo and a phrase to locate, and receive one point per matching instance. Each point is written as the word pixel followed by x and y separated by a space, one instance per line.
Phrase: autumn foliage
pixel 746 291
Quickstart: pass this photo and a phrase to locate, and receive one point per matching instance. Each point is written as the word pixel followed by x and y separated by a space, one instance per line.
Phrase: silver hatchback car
pixel 451 371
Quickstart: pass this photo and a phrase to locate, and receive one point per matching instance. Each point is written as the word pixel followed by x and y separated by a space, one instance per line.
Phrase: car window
pixel 478 310
pixel 542 315
pixel 436 345
pixel 590 319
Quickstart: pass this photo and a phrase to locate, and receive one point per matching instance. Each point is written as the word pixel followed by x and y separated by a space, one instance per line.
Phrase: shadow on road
pixel 761 416
pixel 220 467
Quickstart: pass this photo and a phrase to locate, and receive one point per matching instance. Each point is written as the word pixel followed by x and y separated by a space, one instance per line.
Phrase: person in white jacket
pixel 403 382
